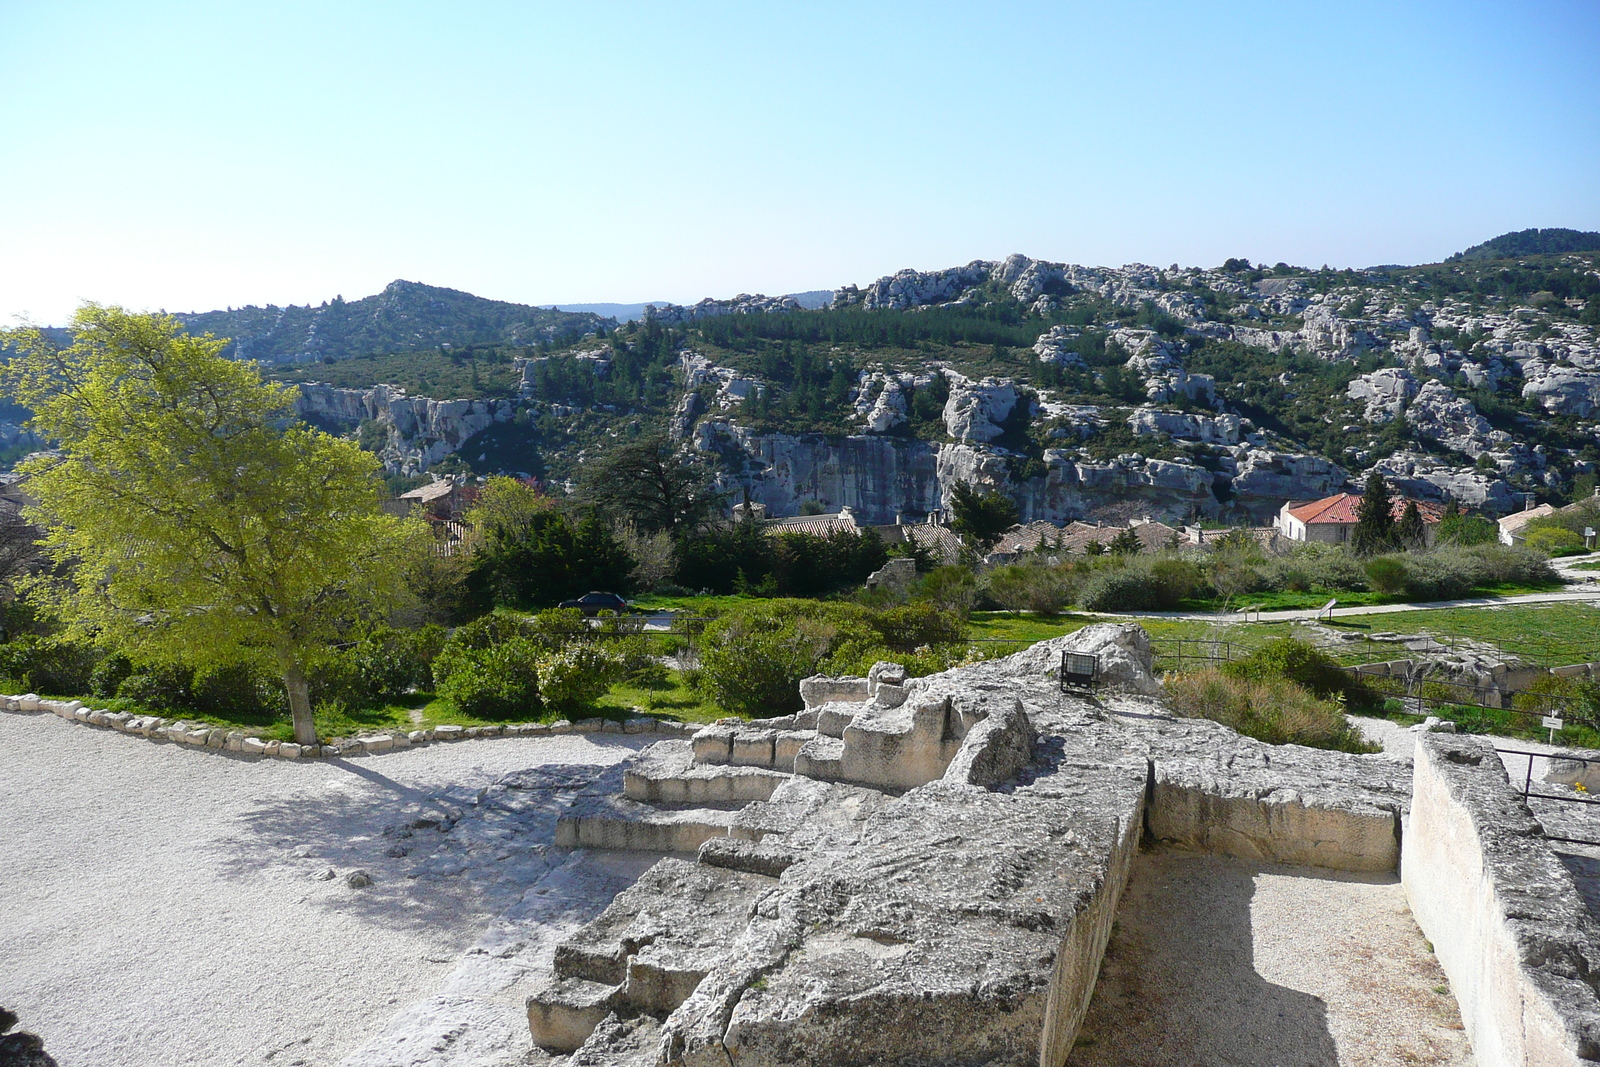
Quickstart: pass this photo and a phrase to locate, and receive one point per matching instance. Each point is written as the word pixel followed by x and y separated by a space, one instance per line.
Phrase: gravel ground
pixel 1228 963
pixel 165 906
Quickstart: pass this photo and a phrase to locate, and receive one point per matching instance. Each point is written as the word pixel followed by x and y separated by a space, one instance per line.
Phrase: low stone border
pixel 202 735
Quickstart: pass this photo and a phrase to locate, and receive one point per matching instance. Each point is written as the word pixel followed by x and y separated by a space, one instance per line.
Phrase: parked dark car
pixel 592 604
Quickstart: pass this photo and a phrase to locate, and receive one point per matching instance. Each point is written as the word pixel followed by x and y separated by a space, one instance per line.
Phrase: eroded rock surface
pixel 935 878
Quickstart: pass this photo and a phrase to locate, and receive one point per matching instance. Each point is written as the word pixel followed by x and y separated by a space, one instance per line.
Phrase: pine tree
pixel 1374 532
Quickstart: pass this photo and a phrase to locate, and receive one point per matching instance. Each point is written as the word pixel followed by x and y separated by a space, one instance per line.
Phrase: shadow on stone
pixel 1179 985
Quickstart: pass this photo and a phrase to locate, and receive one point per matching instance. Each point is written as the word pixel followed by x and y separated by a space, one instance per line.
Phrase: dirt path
pixel 165 906
pixel 1226 963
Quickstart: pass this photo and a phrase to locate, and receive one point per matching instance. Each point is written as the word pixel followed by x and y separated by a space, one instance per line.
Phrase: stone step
pixel 563 1014
pixel 647 951
pixel 619 823
pixel 666 773
pixel 821 758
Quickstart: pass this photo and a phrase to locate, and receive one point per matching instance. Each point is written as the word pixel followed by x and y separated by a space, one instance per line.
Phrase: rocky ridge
pixel 1416 374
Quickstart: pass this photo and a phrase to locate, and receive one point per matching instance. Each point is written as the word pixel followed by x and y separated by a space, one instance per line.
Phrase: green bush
pixel 1031 587
pixel 555 628
pixel 1118 589
pixel 575 676
pixel 1387 574
pixel 1555 540
pixel 915 625
pixel 498 682
pixel 752 659
pixel 1274 710
pixel 1307 666
pixel 951 588
pixel 56 665
pixel 1176 579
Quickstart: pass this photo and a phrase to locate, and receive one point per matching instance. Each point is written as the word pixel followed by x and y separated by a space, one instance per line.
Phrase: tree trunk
pixel 294 680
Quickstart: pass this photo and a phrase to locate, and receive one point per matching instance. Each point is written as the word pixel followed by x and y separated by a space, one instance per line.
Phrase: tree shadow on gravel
pixel 452 856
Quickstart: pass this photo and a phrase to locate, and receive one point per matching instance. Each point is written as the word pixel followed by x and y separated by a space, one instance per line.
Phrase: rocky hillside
pixel 1081 391
pixel 404 317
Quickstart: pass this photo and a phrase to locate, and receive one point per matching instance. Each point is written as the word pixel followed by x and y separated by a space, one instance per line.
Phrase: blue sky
pixel 199 155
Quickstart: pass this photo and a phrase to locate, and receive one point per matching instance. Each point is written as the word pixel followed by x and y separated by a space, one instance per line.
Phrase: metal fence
pixel 1575 797
pixel 1187 653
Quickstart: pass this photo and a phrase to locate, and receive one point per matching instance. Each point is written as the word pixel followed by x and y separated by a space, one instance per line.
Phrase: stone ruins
pixel 926 871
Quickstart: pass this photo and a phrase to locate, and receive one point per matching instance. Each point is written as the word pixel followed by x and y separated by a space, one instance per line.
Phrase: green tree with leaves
pixel 650 484
pixel 200 522
pixel 980 519
pixel 1375 527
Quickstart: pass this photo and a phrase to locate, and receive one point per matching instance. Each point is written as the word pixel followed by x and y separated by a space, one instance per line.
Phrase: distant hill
pixel 406 316
pixel 1549 241
pixel 810 299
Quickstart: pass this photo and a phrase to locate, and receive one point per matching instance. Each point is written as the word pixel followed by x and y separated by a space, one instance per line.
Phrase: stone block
pixel 1505 917
pixel 713 745
pixel 619 823
pixel 786 746
pixel 217 739
pixel 832 719
pixel 378 743
pixel 663 934
pixel 995 750
pixel 563 1015
pixel 820 758
pixel 588 726
pixel 665 773
pixel 288 750
pixel 890 696
pixel 820 689
pixel 900 748
pixel 755 857
pixel 752 747
pixel 1302 811
pixel 561 726
pixel 449 732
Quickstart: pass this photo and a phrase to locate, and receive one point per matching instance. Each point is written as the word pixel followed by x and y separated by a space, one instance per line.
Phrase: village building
pixel 1332 519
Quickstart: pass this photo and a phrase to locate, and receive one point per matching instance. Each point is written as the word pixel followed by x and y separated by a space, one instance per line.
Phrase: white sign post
pixel 1326 611
pixel 1552 723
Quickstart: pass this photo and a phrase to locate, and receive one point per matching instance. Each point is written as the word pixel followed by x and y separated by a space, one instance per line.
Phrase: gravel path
pixel 165 906
pixel 1226 963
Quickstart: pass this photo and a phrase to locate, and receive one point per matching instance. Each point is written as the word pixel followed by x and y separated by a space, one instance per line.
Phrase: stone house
pixel 1331 519
pixel 1513 528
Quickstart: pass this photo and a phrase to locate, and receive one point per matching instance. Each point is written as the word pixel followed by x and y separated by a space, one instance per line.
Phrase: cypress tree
pixel 1411 532
pixel 1375 528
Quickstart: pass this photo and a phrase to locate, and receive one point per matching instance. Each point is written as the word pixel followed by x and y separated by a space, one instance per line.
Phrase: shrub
pixel 575 676
pixel 1118 589
pixel 953 589
pixel 49 664
pixel 1387 574
pixel 916 625
pixel 1176 579
pixel 161 686
pixel 556 627
pixel 1555 540
pixel 752 659
pixel 1305 665
pixel 1031 587
pixel 499 682
pixel 1275 710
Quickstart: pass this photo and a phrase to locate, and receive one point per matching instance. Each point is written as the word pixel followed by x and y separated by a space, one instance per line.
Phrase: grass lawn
pixel 1546 634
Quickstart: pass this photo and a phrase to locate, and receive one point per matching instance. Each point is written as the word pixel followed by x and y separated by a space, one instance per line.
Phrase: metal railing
pixel 1575 797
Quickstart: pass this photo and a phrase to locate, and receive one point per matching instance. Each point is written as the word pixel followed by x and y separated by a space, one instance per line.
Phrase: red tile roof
pixel 1340 509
